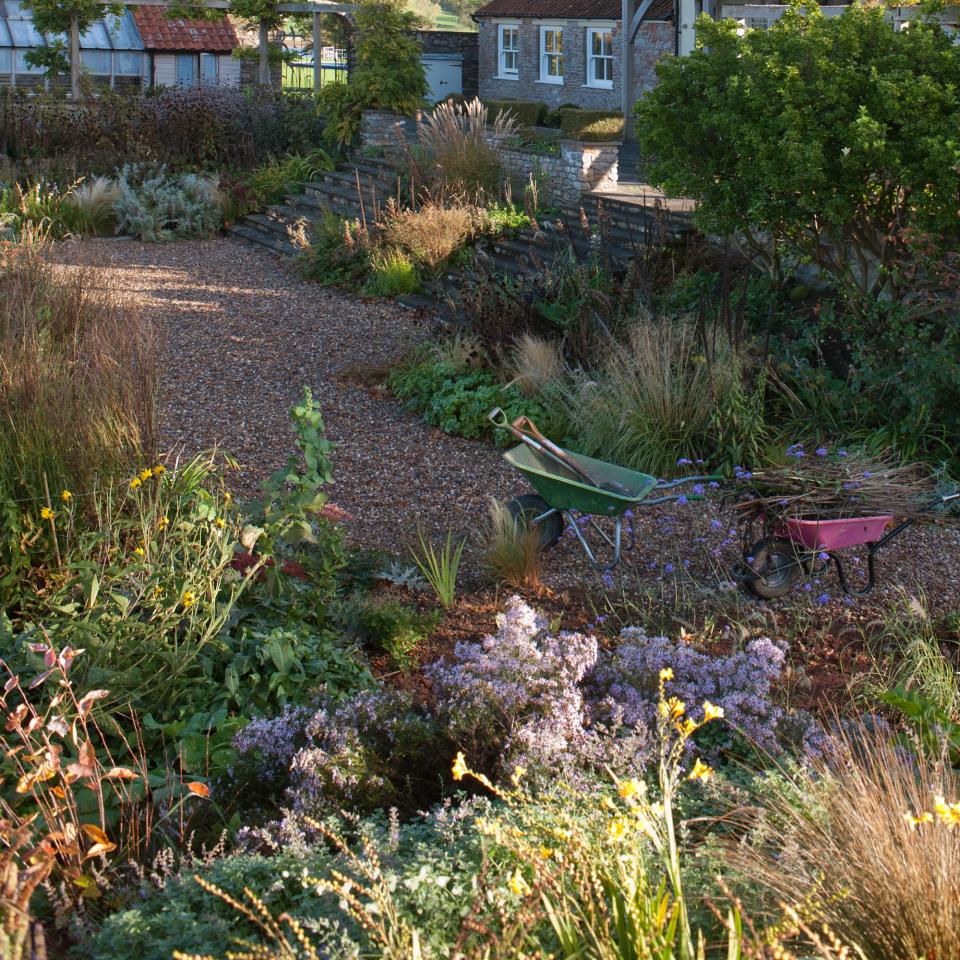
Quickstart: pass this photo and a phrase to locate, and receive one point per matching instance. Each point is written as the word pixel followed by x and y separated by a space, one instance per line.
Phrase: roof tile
pixel 159 32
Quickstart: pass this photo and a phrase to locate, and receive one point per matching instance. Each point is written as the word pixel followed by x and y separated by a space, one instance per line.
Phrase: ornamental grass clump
pixel 868 841
pixel 78 372
pixel 513 552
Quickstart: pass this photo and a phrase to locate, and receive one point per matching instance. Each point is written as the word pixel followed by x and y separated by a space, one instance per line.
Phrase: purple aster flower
pixel 668 568
pixel 822 555
pixel 714 485
pixel 607 580
pixel 807 587
pixel 684 462
pixel 821 451
pixel 823 599
pixel 682 500
pixel 841 453
pixel 716 524
pixel 698 489
pixel 867 474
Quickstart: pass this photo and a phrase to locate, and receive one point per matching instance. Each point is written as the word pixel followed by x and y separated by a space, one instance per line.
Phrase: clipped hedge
pixel 528 113
pixel 591 125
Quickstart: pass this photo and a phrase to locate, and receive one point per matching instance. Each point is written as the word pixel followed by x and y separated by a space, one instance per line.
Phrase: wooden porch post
pixel 264 54
pixel 627 67
pixel 317 49
pixel 74 56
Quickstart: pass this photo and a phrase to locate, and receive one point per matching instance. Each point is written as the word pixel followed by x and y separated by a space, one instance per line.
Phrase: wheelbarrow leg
pixel 616 543
pixel 871 573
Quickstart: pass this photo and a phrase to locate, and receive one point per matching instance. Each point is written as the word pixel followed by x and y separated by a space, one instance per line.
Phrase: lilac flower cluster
pixel 517 693
pixel 626 682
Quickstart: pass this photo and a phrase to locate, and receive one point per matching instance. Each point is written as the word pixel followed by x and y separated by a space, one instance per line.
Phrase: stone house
pixel 568 51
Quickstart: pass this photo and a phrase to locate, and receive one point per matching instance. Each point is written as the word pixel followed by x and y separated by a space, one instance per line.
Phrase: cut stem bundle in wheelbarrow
pixel 817 484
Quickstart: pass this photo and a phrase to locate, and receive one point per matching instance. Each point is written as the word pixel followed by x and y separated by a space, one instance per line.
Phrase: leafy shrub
pixel 718 121
pixel 209 127
pixel 77 377
pixel 340 252
pixel 388 74
pixel 525 113
pixel 392 274
pixel 458 401
pixel 161 206
pixel 395 628
pixel 271 182
pixel 587 125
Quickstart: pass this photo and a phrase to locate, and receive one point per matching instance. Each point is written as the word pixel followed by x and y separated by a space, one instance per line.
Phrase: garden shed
pixel 111 50
pixel 187 53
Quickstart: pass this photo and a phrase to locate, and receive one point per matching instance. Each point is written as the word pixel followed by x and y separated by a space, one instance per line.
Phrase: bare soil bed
pixel 243 336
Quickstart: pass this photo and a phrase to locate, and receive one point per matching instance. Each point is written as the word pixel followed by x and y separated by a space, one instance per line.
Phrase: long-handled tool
pixel 526 431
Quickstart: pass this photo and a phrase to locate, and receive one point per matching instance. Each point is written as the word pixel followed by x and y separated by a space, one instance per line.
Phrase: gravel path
pixel 243 337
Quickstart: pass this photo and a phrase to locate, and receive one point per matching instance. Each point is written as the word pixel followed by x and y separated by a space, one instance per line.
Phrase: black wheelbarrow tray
pixel 559 498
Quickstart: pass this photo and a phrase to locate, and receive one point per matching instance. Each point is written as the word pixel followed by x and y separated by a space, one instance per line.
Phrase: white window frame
pixel 592 80
pixel 545 55
pixel 502 72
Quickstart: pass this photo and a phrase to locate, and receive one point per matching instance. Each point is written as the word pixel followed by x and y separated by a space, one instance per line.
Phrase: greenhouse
pixel 111 50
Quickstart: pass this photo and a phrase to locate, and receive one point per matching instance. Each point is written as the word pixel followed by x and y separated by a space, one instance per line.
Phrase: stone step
pixel 263 238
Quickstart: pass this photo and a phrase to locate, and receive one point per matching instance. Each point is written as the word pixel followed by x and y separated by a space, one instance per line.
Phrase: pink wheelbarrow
pixel 793 545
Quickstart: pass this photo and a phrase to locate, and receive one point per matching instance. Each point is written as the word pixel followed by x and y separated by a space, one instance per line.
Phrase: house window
pixel 208 68
pixel 600 58
pixel 508 47
pixel 551 54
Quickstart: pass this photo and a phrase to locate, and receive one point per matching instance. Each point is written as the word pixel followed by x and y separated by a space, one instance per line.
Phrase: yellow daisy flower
pixel 700 771
pixel 66 496
pixel 47 514
pixel 711 712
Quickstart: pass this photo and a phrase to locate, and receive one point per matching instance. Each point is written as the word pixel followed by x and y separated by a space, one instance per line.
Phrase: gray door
pixel 186 69
pixel 444 74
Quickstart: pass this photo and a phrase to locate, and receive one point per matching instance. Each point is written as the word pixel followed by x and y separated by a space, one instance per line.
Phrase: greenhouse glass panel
pixel 96 38
pixel 5 39
pixel 24 34
pixel 6 59
pixel 128 63
pixel 124 32
pixel 96 61
pixel 23 66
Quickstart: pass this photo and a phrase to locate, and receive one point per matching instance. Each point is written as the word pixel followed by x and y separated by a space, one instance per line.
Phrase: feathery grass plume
pixel 535 363
pixel 93 199
pixel 866 840
pixel 432 233
pixel 513 552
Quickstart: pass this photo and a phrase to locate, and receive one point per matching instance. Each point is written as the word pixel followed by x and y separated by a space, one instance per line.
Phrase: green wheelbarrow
pixel 576 490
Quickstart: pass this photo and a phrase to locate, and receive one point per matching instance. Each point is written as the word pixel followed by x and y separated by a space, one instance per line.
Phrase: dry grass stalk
pixel 513 552
pixel 848 847
pixel 841 485
pixel 78 371
pixel 431 234
pixel 535 364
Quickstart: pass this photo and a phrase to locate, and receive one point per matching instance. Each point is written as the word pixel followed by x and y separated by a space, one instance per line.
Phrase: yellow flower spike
pixel 227 497
pixel 518 884
pixel 666 673
pixel 629 789
pixel 135 482
pixel 672 709
pixel 700 771
pixel 618 828
pixel 925 817
pixel 47 514
pixel 145 475
pixel 711 712
pixel 517 775
pixel 66 496
pixel 188 599
pixel 687 728
pixel 159 470
pixel 219 523
pixel 460 768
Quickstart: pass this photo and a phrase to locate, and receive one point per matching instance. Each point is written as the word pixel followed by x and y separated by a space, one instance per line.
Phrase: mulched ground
pixel 244 335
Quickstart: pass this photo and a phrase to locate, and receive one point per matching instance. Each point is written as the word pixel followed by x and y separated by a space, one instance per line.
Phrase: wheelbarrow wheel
pixel 777 567
pixel 527 507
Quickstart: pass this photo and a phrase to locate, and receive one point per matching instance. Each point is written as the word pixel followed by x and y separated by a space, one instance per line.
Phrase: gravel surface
pixel 244 335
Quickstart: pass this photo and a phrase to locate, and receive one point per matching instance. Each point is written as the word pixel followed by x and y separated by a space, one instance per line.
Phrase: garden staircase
pixel 353 190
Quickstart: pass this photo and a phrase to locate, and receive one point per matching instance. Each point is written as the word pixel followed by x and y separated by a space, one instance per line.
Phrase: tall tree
pixel 69 19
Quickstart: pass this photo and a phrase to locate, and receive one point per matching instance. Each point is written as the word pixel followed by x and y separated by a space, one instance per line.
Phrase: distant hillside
pixel 446 14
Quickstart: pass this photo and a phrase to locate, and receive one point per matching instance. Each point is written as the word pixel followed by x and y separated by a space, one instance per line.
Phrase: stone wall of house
pixel 653 41
pixel 466 44
pixel 528 86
